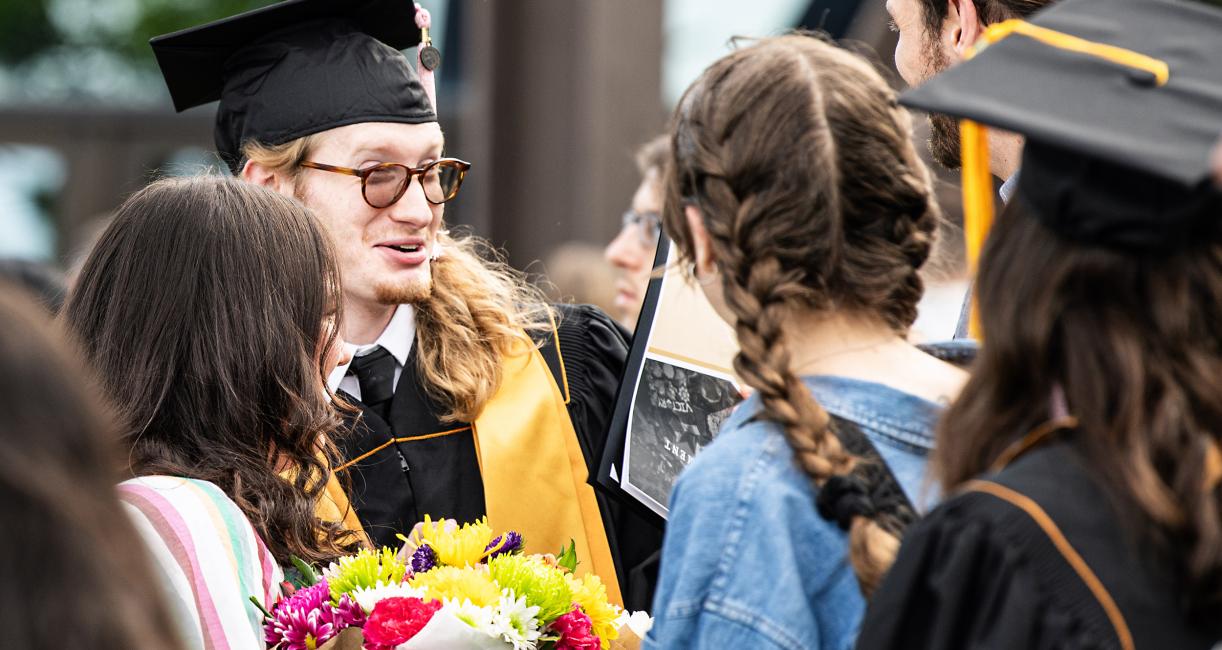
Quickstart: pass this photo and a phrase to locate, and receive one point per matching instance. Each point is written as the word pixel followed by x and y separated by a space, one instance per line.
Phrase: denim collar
pixel 887 411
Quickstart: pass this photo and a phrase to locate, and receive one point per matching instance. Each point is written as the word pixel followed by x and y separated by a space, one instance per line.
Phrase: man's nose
pixel 620 251
pixel 412 208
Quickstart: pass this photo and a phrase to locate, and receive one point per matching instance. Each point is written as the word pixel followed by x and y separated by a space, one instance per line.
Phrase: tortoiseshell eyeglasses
pixel 385 183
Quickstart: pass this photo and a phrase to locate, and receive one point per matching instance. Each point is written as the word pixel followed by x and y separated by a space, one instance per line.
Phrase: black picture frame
pixel 611 470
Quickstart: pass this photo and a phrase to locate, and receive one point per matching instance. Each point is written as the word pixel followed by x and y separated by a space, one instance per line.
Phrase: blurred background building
pixel 548 99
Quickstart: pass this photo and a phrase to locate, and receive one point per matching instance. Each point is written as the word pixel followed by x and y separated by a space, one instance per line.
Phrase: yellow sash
pixel 534 470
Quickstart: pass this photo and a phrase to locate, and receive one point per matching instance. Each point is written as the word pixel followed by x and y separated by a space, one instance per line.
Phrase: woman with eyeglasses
pixel 795 196
pixel 633 249
pixel 209 310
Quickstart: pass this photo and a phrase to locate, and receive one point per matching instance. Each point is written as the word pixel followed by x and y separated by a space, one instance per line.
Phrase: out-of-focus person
pixel 633 249
pixel 210 310
pixel 576 272
pixel 43 281
pixel 71 578
pixel 935 35
pixel 795 196
pixel 1084 456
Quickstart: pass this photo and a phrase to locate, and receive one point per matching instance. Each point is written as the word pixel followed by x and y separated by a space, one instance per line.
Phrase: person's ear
pixel 257 174
pixel 702 244
pixel 963 27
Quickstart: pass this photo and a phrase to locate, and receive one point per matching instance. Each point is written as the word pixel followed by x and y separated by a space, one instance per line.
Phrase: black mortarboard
pixel 296 68
pixel 1120 102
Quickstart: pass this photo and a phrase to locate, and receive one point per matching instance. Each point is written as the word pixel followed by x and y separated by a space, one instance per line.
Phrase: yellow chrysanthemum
pixel 472 584
pixel 458 546
pixel 590 594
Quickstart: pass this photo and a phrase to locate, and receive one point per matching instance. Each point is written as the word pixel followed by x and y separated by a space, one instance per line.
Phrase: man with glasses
pixel 476 397
pixel 633 249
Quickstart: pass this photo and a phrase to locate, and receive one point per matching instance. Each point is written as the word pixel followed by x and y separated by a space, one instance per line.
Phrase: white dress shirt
pixel 397 338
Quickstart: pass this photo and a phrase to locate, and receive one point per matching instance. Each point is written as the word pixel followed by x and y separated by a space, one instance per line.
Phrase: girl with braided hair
pixel 796 197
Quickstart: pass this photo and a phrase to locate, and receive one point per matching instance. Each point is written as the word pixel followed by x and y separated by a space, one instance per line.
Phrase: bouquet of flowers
pixel 451 587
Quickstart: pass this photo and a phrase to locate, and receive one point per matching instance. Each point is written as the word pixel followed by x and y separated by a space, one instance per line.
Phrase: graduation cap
pixel 1120 102
pixel 296 68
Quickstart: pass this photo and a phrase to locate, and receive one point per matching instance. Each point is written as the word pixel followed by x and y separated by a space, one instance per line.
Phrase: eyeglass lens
pixel 648 225
pixel 385 185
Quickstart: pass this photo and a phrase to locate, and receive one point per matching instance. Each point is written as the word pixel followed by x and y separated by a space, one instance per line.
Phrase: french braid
pixel 798 158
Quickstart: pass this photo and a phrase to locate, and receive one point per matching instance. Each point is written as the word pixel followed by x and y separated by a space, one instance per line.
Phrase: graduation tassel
pixel 428 58
pixel 977 203
pixel 974 137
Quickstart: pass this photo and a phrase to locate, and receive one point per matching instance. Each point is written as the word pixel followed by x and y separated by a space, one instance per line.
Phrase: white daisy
pixel 480 618
pixel 367 597
pixel 516 623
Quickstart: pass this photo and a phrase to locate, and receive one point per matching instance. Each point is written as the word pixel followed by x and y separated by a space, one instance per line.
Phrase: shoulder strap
pixel 886 489
pixel 1029 507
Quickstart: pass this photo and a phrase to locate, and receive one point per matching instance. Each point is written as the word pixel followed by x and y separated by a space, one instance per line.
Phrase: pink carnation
pixel 395 620
pixel 576 632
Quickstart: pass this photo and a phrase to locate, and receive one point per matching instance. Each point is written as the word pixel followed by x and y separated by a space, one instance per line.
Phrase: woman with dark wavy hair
pixel 209 311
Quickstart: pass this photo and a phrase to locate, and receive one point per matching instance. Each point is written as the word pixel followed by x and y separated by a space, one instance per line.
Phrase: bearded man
pixel 933 36
pixel 476 397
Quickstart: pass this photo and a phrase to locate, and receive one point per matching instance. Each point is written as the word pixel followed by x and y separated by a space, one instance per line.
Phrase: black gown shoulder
pixel 1034 557
pixel 592 354
pixel 587 364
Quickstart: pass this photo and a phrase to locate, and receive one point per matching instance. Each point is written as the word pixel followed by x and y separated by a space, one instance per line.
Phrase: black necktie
pixel 375 373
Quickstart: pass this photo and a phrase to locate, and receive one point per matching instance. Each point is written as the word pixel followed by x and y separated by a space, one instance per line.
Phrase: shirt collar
pixel 397 338
pixel 1007 188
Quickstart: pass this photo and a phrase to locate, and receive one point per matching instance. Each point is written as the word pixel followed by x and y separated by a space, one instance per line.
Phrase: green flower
pixel 541 585
pixel 365 570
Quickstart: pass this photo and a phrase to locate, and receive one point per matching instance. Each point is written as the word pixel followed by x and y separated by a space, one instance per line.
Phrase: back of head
pixel 1131 336
pixel 204 309
pixel 72 577
pixel 799 160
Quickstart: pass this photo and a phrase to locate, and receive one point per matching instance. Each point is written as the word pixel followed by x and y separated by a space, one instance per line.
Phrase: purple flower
pixel 423 559
pixel 513 544
pixel 348 613
pixel 308 618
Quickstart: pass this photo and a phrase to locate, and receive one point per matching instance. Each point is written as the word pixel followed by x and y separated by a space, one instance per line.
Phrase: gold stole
pixel 534 472
pixel 333 505
pixel 535 477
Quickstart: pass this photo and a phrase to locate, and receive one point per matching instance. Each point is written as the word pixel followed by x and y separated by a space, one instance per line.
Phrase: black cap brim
pixel 1094 106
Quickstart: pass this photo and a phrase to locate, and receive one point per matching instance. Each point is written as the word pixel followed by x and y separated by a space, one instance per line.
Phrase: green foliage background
pixel 26 27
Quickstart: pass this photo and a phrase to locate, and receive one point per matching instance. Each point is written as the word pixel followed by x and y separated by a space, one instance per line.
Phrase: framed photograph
pixel 678 388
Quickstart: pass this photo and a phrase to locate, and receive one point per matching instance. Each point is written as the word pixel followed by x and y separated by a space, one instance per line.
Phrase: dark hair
pixel 989 11
pixel 202 308
pixel 800 161
pixel 652 155
pixel 1133 340
pixel 73 576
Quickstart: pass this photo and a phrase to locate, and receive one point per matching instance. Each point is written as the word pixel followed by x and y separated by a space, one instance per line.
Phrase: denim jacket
pixel 747 562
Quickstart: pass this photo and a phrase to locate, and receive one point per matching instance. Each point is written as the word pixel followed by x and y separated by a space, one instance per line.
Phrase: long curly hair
pixel 476 313
pixel 799 160
pixel 204 309
pixel 1133 340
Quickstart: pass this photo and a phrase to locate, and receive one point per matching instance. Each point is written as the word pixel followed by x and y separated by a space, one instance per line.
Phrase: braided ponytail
pixel 797 156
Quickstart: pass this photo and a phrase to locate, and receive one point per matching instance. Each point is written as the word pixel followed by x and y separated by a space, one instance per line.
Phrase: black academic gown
pixel 416 465
pixel 980 572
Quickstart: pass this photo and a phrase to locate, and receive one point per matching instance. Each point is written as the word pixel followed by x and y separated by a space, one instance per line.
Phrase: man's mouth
pixel 410 252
